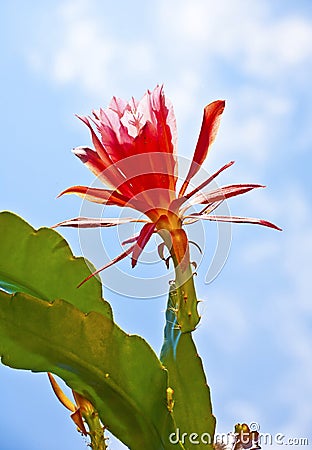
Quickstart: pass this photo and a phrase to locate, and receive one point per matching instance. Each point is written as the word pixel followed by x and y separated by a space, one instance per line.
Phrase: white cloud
pixel 188 34
pixel 279 47
pixel 254 124
pixel 183 94
pixel 85 53
pixel 249 35
pixel 269 53
pixel 186 49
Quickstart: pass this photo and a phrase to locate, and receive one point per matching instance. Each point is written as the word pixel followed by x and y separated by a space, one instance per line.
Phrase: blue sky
pixel 64 57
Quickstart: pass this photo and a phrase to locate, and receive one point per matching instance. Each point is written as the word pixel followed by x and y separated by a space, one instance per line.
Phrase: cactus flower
pixel 135 155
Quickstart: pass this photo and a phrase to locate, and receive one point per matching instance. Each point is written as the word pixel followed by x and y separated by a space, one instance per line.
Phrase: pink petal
pixel 97 143
pixel 114 134
pixel 113 176
pixel 209 128
pixel 166 130
pixel 102 196
pixel 141 242
pixel 92 160
pixel 209 180
pixel 113 261
pixel 211 207
pixel 178 202
pixel 92 222
pixel 234 219
pixel 206 210
pixel 222 193
pixel 131 239
pixel 165 120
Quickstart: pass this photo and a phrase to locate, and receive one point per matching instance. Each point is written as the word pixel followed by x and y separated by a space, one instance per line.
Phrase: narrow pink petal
pixel 131 239
pixel 165 119
pixel 141 242
pixel 211 207
pixel 92 160
pixel 206 210
pixel 92 222
pixel 234 219
pixel 112 175
pixel 102 196
pixel 97 143
pixel 166 130
pixel 114 134
pixel 177 203
pixel 222 193
pixel 113 261
pixel 209 180
pixel 209 128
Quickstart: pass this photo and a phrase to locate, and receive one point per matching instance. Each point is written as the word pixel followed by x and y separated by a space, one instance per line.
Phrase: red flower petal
pixel 91 159
pixel 209 180
pixel 146 170
pixel 206 210
pixel 166 131
pixel 144 129
pixel 141 242
pixel 112 176
pixel 178 202
pixel 110 263
pixel 114 133
pixel 234 219
pixel 102 196
pixel 165 120
pixel 222 193
pixel 92 222
pixel 97 144
pixel 209 128
pixel 131 239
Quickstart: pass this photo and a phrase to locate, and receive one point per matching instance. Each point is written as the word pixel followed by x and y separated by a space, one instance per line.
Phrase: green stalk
pixel 191 403
pixel 96 430
pixel 184 299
